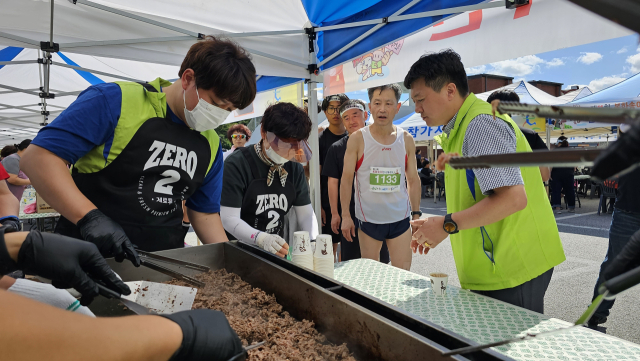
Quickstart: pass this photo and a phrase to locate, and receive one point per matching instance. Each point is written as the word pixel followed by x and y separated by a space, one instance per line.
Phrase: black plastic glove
pixel 67 262
pixel 628 259
pixel 12 224
pixel 206 336
pixel 110 238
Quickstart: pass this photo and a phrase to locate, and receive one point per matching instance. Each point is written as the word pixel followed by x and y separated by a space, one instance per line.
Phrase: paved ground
pixel 585 238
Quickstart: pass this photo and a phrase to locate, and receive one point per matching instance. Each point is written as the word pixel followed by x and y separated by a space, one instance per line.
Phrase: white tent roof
pixel 528 94
pixel 576 94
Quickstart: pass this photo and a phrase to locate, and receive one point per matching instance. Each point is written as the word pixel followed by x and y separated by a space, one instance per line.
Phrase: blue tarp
pixel 271 82
pixel 333 40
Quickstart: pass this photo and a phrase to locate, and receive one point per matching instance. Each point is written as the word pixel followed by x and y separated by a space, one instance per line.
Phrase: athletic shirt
pixel 381 190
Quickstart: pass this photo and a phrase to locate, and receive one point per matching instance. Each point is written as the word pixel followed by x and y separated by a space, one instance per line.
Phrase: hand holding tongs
pixel 149 260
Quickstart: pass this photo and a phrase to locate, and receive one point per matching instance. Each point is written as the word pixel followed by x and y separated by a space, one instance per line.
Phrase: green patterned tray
pixel 38 215
pixel 482 319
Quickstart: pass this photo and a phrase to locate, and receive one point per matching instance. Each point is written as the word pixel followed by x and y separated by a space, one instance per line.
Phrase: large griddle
pixel 372 329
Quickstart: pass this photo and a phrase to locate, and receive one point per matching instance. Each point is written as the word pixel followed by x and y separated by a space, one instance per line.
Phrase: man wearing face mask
pixel 264 181
pixel 138 150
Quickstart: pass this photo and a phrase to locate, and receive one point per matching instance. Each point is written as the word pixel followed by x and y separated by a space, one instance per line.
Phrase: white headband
pixel 352 106
pixel 334 98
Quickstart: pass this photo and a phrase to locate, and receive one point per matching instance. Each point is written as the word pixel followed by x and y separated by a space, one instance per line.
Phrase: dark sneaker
pixel 572 210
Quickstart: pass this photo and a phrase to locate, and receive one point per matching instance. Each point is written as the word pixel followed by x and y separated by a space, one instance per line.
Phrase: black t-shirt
pixel 237 177
pixel 426 171
pixel 628 198
pixel 326 140
pixel 333 168
pixel 534 140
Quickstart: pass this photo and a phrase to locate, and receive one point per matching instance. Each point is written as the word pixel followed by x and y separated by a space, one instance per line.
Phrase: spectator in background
pixel 238 135
pixel 7 150
pixel 624 223
pixel 562 182
pixel 334 132
pixel 534 140
pixel 426 176
pixel 17 181
pixel 418 158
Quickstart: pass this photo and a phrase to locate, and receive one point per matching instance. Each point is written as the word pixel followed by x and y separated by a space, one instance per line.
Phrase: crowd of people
pixel 129 166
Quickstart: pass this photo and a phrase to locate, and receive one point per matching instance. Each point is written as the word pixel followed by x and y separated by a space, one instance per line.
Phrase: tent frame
pixel 313 66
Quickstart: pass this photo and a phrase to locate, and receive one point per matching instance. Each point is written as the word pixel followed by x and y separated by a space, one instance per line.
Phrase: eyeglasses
pixel 238 136
pixel 282 147
pixel 331 110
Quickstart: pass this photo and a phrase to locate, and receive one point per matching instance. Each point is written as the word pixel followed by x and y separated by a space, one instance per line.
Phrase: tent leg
pixel 314 162
pixel 548 129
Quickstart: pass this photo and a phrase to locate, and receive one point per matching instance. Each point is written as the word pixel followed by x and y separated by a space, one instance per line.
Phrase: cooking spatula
pixel 160 297
pixel 608 290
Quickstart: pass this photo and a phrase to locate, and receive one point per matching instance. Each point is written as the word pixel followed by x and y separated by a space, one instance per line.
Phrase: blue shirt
pixel 91 120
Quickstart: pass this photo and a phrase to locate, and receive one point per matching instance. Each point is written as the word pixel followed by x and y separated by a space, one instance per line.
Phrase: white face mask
pixel 275 157
pixel 204 116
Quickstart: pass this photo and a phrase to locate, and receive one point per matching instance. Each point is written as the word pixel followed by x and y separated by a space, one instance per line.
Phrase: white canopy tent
pixel 288 39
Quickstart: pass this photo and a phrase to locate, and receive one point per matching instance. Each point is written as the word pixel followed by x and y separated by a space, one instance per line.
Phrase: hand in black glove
pixel 628 259
pixel 110 238
pixel 207 336
pixel 11 224
pixel 68 262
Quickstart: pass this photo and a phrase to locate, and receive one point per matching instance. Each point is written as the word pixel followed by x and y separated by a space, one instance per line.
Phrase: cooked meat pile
pixel 257 317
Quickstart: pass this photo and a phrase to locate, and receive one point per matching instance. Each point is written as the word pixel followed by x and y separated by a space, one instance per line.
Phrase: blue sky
pixel 597 65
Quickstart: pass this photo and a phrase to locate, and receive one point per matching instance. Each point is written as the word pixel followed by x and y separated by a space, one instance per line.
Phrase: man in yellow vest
pixel 139 149
pixel 503 233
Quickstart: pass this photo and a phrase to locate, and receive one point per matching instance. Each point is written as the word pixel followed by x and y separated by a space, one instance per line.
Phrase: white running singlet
pixel 381 195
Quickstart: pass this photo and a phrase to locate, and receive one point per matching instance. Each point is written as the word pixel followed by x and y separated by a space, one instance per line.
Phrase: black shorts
pixel 351 250
pixel 326 229
pixel 381 232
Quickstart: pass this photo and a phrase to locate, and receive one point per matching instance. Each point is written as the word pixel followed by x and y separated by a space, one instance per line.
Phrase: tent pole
pixel 366 34
pixel 51 26
pixel 93 71
pixel 314 162
pixel 396 17
pixel 548 130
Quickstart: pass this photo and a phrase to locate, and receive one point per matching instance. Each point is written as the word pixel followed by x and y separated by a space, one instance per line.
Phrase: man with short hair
pixel 503 233
pixel 534 140
pixel 138 150
pixel 265 181
pixel 382 156
pixel 333 133
pixel 353 115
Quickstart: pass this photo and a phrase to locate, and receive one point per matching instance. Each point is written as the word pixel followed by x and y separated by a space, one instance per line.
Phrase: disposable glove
pixel 110 238
pixel 12 224
pixel 66 261
pixel 272 243
pixel 628 259
pixel 206 336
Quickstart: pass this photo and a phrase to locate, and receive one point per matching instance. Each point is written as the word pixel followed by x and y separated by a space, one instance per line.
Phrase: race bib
pixel 384 180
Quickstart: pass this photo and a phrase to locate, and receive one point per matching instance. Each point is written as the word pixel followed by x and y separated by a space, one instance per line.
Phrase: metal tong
pixel 149 260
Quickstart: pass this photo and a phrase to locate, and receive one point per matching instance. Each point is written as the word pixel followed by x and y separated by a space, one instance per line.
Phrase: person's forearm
pixel 333 195
pixel 415 189
pixel 545 172
pixel 238 228
pixel 307 220
pixel 497 206
pixel 50 176
pixel 345 194
pixel 9 205
pixel 35 331
pixel 207 226
pixel 17 181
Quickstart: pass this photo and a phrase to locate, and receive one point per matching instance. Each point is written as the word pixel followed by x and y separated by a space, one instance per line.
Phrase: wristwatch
pixel 449 225
pixel 419 213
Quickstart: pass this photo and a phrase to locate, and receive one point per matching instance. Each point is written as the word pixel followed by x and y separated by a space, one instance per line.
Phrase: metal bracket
pixel 45 112
pixel 44 61
pixel 512 4
pixel 385 20
pixel 201 36
pixel 47 95
pixel 46 46
pixel 313 69
pixel 311 34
